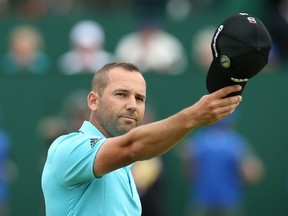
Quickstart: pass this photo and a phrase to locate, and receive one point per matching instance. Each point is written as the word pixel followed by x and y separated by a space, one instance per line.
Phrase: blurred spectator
pixel 50 127
pixel 148 177
pixel 220 162
pixel 4 8
pixel 25 55
pixel 4 178
pixel 31 9
pixel 87 52
pixel 73 112
pixel 152 49
pixel 278 28
pixel 7 171
pixel 179 9
pixel 201 47
pixel 35 9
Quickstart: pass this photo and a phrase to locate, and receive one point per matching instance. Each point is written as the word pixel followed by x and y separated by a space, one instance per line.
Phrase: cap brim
pixel 217 78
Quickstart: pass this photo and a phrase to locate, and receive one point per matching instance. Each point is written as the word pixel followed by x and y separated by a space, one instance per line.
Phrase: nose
pixel 131 104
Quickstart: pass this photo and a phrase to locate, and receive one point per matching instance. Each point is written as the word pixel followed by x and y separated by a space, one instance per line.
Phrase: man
pixel 88 172
pixel 222 155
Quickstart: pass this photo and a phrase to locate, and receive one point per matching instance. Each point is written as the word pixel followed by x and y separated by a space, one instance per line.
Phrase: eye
pixel 140 99
pixel 120 94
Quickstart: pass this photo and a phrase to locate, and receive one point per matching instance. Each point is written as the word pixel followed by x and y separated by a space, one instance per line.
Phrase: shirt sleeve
pixel 74 159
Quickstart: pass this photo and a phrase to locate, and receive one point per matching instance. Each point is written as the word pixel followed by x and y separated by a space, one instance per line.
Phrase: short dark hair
pixel 101 79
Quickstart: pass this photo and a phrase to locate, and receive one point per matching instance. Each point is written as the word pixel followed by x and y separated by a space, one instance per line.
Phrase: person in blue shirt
pixel 88 172
pixel 8 169
pixel 221 161
pixel 4 172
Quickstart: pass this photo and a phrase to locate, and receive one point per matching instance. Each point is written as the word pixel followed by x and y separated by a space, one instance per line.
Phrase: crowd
pixel 149 45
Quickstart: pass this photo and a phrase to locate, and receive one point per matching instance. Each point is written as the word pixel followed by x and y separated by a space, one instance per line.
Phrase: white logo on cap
pixel 239 80
pixel 215 38
pixel 251 20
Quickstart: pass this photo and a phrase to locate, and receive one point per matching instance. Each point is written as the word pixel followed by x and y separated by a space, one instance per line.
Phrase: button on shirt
pixel 70 187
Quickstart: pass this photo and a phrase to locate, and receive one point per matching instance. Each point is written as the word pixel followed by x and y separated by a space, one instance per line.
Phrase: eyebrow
pixel 127 91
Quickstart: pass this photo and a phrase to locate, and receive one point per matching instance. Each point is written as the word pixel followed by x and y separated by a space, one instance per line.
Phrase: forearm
pixel 151 140
pixel 154 139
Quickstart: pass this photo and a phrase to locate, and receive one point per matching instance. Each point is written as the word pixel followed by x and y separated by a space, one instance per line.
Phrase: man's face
pixel 122 104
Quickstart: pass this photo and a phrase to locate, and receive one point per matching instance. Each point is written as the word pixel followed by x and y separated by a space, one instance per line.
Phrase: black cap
pixel 240 48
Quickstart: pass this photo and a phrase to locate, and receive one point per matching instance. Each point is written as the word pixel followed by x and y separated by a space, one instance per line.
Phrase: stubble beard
pixel 111 123
pixel 114 128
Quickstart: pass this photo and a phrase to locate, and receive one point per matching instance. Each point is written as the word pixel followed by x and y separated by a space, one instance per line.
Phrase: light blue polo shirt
pixel 70 187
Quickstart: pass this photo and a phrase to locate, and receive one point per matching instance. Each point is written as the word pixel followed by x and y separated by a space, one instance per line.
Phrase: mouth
pixel 128 118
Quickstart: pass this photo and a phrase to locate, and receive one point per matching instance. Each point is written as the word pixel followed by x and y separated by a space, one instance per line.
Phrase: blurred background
pixel 49 51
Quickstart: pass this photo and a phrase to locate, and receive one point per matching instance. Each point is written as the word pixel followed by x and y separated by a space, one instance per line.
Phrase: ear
pixel 92 100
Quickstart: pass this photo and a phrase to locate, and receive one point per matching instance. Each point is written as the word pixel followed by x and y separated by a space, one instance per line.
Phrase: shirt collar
pixel 88 128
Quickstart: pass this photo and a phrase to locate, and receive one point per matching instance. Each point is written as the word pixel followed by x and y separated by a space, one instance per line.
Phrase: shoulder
pixel 76 142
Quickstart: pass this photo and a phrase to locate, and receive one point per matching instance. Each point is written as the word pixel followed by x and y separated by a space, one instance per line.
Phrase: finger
pixel 227 109
pixel 224 112
pixel 231 100
pixel 223 92
pixel 228 105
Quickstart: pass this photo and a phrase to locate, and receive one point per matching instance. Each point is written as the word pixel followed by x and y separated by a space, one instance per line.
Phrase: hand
pixel 215 106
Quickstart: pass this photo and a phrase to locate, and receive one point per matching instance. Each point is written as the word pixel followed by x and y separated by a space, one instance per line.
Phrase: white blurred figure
pixel 201 47
pixel 179 9
pixel 152 49
pixel 87 53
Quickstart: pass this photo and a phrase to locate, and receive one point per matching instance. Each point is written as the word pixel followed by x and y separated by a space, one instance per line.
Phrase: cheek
pixel 105 109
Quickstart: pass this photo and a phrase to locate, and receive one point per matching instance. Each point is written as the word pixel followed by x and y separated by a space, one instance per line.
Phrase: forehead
pixel 129 80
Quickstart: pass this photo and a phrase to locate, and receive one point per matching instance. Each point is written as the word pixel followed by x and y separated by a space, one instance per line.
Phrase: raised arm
pixel 147 141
